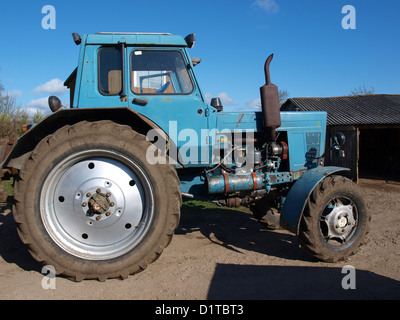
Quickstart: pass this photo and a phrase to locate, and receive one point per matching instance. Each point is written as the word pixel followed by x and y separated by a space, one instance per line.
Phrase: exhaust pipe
pixel 270 104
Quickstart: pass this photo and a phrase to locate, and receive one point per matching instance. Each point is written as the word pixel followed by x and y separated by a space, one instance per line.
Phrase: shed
pixel 371 125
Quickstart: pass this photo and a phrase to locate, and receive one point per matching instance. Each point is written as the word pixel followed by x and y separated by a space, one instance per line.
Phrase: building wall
pixel 351 150
pixel 372 148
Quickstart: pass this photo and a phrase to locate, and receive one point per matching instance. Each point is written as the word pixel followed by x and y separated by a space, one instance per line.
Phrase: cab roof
pixel 136 38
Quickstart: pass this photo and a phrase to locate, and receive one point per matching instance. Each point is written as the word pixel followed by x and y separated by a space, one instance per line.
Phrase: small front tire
pixel 335 220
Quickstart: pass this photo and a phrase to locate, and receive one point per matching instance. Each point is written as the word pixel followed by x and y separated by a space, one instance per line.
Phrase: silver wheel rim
pixel 339 221
pixel 97 204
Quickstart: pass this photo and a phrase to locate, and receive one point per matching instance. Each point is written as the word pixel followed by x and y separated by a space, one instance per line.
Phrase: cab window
pixel 109 71
pixel 159 72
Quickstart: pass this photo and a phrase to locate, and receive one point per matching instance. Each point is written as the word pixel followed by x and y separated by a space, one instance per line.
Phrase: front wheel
pixel 335 220
pixel 89 203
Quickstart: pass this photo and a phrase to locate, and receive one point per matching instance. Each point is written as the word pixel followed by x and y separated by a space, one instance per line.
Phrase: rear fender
pixel 27 142
pixel 298 195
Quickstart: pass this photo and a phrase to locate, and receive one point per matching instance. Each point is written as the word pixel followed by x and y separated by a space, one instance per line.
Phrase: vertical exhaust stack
pixel 270 104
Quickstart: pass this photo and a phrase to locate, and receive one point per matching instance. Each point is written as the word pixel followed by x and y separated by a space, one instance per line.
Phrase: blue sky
pixel 313 55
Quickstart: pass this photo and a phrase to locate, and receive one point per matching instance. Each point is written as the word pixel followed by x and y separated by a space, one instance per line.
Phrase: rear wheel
pixel 89 203
pixel 335 220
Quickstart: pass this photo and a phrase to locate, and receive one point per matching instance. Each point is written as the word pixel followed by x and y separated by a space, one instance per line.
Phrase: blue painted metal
pixel 298 195
pixel 183 117
pixel 191 124
pixel 192 183
pixel 305 131
pixel 187 119
pixel 274 178
pixel 77 88
pixel 161 39
pixel 228 182
pixel 89 95
pixel 231 121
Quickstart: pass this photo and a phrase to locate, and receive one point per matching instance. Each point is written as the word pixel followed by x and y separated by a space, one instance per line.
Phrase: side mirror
pixel 54 103
pixel 217 104
pixel 77 38
pixel 195 61
pixel 339 139
pixel 338 142
pixel 190 39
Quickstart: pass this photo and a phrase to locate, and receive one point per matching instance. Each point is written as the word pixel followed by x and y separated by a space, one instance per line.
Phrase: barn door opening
pixel 380 153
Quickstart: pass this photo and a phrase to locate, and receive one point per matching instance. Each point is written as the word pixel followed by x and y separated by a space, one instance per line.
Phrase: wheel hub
pixel 98 204
pixel 101 200
pixel 340 221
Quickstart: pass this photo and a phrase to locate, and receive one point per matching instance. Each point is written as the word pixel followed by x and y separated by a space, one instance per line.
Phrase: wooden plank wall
pixel 351 149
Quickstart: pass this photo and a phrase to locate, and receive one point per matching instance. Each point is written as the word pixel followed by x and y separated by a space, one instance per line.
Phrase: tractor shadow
pixel 12 250
pixel 236 229
pixel 244 282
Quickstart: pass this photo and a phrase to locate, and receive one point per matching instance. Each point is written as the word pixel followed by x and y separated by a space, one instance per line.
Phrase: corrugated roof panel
pixel 352 110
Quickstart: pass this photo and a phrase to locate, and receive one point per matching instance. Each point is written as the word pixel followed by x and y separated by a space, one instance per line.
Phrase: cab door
pixel 163 89
pixel 102 77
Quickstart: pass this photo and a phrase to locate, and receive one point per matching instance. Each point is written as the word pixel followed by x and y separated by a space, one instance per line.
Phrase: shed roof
pixel 352 110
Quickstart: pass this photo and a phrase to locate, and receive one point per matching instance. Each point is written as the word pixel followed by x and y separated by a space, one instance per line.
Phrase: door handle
pixel 200 111
pixel 141 102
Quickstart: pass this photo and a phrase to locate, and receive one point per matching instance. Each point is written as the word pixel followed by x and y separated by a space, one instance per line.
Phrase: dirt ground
pixel 221 254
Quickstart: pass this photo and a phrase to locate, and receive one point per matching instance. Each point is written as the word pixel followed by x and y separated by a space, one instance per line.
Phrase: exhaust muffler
pixel 270 104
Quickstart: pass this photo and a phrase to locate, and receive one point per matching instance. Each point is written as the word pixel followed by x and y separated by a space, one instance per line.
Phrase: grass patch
pixel 197 205
pixel 6 187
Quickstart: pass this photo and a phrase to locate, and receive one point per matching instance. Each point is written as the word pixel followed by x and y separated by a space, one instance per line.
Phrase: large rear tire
pixel 335 221
pixel 88 202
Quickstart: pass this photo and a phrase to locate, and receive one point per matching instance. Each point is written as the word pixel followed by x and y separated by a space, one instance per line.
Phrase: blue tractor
pixel 98 187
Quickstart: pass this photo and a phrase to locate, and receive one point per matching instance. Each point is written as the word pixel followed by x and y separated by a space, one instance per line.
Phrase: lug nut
pixel 98 218
pixel 84 204
pixel 108 194
pixel 108 213
pixel 112 204
pixel 88 194
pixel 98 190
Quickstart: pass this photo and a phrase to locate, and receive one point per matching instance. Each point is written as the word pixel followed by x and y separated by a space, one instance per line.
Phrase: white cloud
pixel 267 5
pixel 226 100
pixel 41 104
pixel 14 93
pixel 54 86
pixel 208 96
pixel 254 105
pixel 31 111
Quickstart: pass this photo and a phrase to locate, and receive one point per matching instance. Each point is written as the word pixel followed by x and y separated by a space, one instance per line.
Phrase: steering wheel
pixel 164 87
